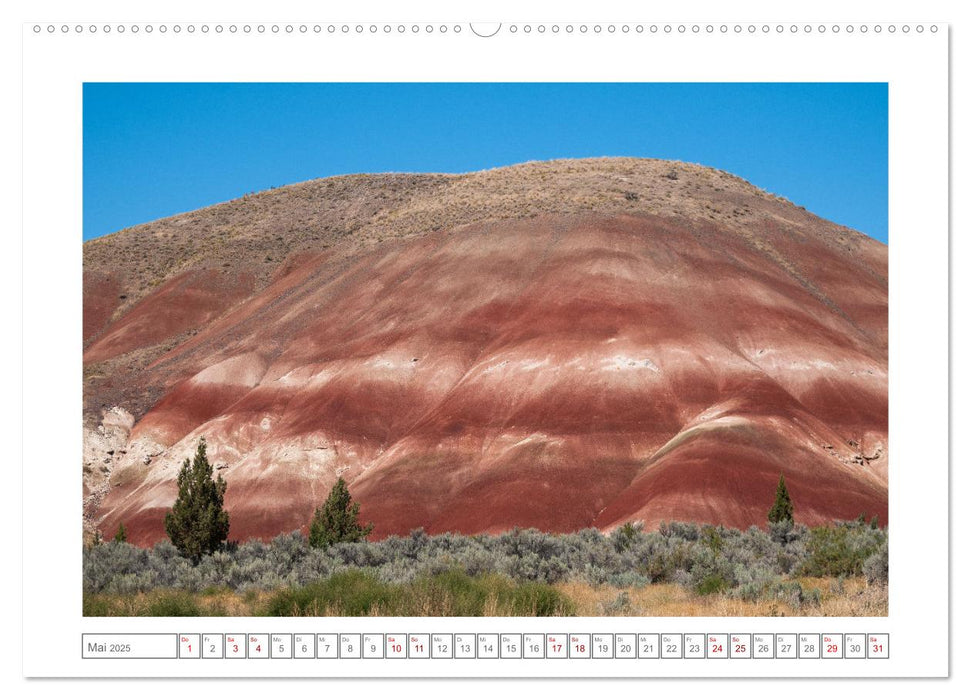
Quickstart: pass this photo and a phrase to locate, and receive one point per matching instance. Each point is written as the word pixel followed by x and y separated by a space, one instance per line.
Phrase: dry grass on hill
pixel 257 232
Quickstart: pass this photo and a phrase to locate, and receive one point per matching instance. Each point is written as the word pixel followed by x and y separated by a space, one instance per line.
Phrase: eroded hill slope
pixel 555 345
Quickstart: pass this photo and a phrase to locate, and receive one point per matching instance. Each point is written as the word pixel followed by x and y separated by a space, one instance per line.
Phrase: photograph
pixel 485 349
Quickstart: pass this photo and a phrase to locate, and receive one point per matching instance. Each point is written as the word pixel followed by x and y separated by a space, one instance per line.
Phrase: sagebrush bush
pixel 745 564
pixel 619 606
pixel 876 568
pixel 841 549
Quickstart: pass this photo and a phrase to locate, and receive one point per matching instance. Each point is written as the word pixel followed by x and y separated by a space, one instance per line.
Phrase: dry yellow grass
pixel 670 600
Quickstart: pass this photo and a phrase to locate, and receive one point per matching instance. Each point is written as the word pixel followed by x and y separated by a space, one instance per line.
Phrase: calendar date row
pixel 657 646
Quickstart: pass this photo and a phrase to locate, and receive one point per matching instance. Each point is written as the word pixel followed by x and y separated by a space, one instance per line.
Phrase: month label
pixel 130 646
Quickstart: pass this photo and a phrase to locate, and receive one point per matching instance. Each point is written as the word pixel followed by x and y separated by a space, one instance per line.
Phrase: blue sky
pixel 156 149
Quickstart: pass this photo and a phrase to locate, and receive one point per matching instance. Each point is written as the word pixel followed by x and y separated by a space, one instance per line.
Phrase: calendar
pixel 448 646
pixel 541 347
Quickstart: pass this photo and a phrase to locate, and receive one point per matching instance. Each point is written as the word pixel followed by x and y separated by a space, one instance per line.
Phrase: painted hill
pixel 557 345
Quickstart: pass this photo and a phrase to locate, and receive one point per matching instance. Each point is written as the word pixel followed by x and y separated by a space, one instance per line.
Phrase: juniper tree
pixel 781 510
pixel 336 520
pixel 121 535
pixel 197 523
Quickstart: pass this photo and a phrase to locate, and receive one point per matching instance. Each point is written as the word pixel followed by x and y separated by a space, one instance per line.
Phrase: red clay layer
pixel 182 304
pixel 102 295
pixel 558 373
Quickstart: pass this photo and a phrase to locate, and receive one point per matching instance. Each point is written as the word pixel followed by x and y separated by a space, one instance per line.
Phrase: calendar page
pixel 432 347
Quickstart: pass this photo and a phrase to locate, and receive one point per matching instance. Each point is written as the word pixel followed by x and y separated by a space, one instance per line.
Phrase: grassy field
pixel 351 594
pixel 456 594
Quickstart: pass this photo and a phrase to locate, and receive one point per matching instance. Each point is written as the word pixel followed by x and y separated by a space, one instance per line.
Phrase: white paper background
pixel 55 67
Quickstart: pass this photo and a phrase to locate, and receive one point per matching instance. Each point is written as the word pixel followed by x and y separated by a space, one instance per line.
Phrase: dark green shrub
pixel 351 593
pixel 95 606
pixel 540 600
pixel 712 583
pixel 712 537
pixel 173 604
pixel 625 535
pixel 197 523
pixel 459 594
pixel 781 510
pixel 336 520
